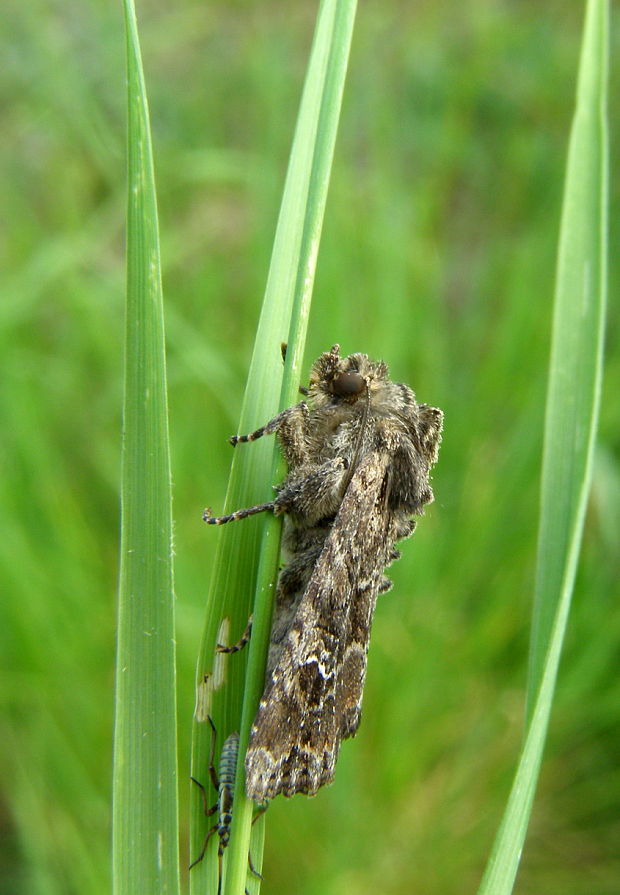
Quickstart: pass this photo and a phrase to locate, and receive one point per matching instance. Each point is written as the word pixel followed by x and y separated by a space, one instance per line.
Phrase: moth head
pixel 345 379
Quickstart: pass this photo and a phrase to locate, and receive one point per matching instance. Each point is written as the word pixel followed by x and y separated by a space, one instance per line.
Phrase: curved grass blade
pixel 570 424
pixel 145 818
pixel 243 548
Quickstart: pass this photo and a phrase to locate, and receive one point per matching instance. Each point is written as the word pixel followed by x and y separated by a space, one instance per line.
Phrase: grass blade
pixel 145 817
pixel 570 424
pixel 284 318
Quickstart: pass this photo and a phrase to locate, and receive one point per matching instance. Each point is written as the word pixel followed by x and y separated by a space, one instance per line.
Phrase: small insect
pixel 224 783
pixel 359 453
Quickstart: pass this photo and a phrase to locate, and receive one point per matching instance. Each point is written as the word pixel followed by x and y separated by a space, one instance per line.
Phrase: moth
pixel 224 783
pixel 359 451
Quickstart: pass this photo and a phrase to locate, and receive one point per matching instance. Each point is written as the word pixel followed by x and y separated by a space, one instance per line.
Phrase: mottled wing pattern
pixel 313 699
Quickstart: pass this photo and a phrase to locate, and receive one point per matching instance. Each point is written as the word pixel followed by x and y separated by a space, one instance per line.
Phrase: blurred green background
pixel 438 255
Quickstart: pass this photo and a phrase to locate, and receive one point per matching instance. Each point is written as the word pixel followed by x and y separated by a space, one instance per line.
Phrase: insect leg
pixel 283 349
pixel 238 514
pixel 245 638
pixel 253 869
pixel 272 426
pixel 207 811
pixel 293 436
pixel 292 433
pixel 216 785
pixel 212 772
pixel 204 847
pixel 261 810
pixel 316 495
pixel 220 853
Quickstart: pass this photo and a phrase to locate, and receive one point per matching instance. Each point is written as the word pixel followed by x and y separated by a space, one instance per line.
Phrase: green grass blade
pixel 570 424
pixel 145 816
pixel 248 553
pixel 577 347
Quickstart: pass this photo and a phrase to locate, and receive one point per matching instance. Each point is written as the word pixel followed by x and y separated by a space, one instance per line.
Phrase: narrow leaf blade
pixel 145 814
pixel 570 424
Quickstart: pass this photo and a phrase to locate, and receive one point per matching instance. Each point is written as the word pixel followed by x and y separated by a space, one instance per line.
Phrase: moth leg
pixel 253 869
pixel 293 436
pixel 272 426
pixel 245 638
pixel 283 349
pixel 317 495
pixel 262 807
pixel 291 425
pixel 238 514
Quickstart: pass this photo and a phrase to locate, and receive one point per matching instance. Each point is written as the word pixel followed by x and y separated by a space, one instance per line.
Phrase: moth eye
pixel 345 384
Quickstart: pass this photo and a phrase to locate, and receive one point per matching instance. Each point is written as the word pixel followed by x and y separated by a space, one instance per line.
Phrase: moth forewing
pixel 313 698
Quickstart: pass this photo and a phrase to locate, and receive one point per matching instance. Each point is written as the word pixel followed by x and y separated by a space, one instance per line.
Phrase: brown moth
pixel 359 451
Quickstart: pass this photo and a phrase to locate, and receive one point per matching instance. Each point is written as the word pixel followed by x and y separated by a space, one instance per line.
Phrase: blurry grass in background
pixel 445 200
